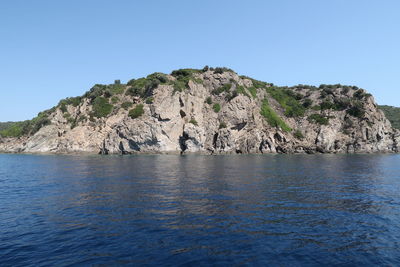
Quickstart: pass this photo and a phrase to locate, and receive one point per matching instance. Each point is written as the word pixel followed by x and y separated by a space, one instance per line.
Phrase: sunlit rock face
pixel 213 111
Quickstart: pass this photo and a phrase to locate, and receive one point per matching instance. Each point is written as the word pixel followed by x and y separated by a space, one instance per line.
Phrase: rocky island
pixel 214 111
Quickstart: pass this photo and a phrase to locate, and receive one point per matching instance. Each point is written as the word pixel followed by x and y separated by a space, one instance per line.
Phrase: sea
pixel 200 210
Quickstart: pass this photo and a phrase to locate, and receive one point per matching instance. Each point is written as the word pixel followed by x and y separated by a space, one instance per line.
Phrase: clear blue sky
pixel 54 49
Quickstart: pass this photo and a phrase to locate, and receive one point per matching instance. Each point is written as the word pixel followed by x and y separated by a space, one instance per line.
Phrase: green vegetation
pixel 298 134
pixel 342 103
pixel 307 103
pixel 357 110
pixel 183 76
pixel 193 121
pixel 144 87
pixel 68 117
pixel 116 89
pixel 216 107
pixel 231 95
pixel 318 118
pixel 105 90
pixel 224 88
pixel 114 100
pixel 338 85
pixel 136 112
pixel 327 105
pixel 241 90
pixel 288 100
pixel 253 91
pixel 256 85
pixel 5 125
pixel 101 107
pixel 222 70
pixel 185 72
pixel 259 84
pixel 360 94
pixel 126 105
pixel 209 100
pixel 96 91
pixel 222 125
pixel 28 127
pixel 149 100
pixel 392 114
pixel 74 101
pixel 272 118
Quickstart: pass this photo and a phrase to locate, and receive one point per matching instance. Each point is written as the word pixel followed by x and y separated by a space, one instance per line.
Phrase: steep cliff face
pixel 211 111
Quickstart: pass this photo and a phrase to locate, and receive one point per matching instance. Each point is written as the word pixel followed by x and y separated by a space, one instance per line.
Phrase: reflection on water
pixel 198 210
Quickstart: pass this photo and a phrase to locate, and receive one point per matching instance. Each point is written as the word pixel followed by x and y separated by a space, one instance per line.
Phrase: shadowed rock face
pixel 208 116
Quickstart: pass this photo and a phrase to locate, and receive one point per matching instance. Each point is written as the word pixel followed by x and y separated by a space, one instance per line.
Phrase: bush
pixel 63 108
pixel 216 107
pixel 193 121
pixel 392 114
pixel 184 72
pixel 272 118
pixel 253 91
pixel 28 127
pixel 136 112
pixel 74 101
pixel 5 125
pixel 318 118
pixel 298 134
pixel 96 91
pixel 231 95
pixel 345 91
pixel 342 103
pixel 13 130
pixel 114 100
pixel 221 70
pixel 307 103
pixel 144 87
pixel 327 105
pixel 101 107
pixel 149 100
pixel 183 76
pixel 222 125
pixel 360 94
pixel 258 84
pixel 224 88
pixel 115 89
pixel 286 98
pixel 126 105
pixel 357 110
pixel 241 90
pixel 209 100
pixel 179 85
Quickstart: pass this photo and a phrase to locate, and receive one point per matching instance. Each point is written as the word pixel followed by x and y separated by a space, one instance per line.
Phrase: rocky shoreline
pixel 210 111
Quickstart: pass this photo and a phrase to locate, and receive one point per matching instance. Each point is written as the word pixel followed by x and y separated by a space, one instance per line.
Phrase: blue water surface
pixel 169 210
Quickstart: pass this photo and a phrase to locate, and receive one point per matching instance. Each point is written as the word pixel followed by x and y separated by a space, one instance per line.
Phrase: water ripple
pixel 200 210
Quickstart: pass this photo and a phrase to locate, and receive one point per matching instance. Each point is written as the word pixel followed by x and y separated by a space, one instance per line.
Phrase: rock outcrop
pixel 211 111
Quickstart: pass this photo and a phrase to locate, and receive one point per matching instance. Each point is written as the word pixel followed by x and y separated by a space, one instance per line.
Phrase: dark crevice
pixel 121 148
pixel 260 147
pixel 278 137
pixel 215 138
pixel 160 119
pixel 104 150
pixel 182 141
pixel 133 145
pixel 239 126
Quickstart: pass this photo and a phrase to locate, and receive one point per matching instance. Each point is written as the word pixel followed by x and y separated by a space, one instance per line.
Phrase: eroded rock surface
pixel 201 119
